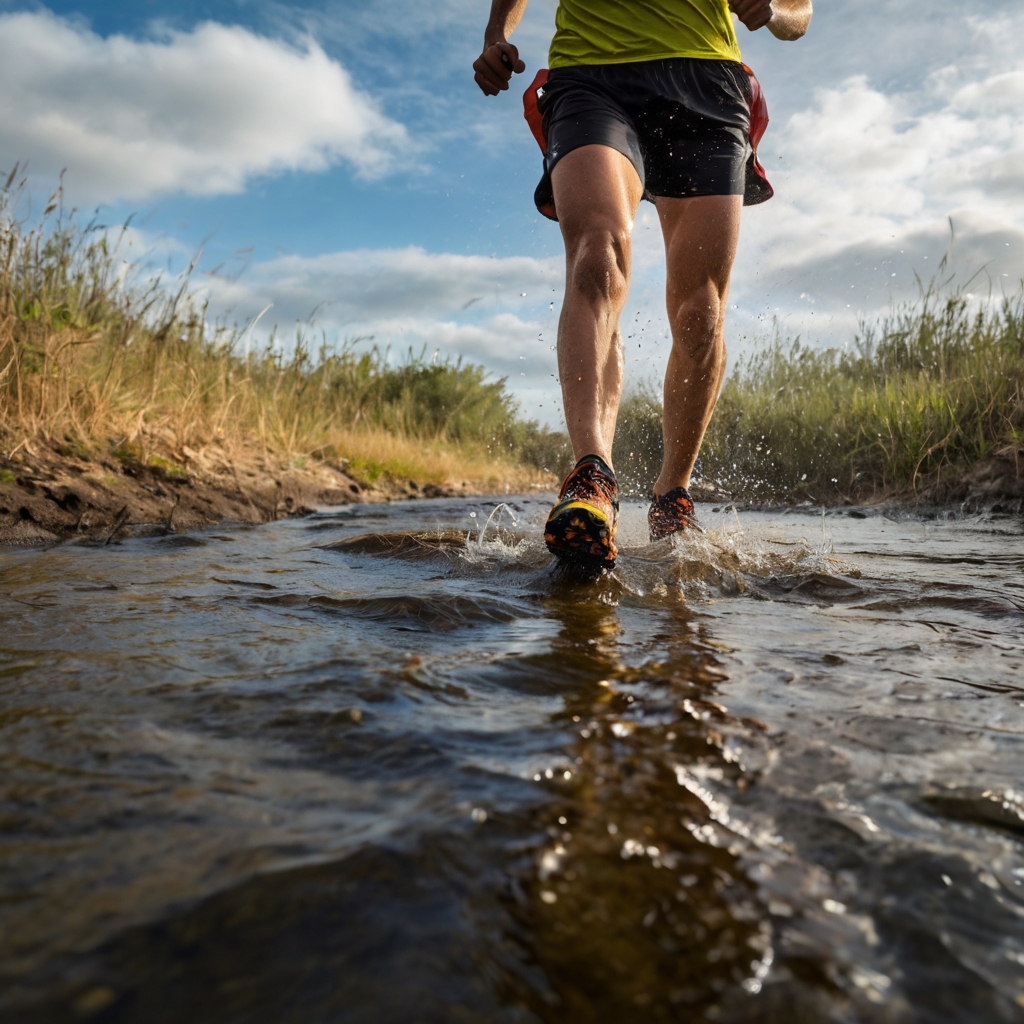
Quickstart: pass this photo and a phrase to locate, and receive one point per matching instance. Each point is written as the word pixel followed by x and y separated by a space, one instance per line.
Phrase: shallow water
pixel 386 765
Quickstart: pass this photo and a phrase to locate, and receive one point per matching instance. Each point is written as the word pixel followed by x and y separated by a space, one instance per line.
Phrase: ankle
pixel 602 464
pixel 662 487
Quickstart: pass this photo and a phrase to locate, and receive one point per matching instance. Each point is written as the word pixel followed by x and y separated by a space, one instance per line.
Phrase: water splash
pixel 726 558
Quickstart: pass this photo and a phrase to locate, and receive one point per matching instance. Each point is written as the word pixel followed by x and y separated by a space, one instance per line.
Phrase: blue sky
pixel 335 163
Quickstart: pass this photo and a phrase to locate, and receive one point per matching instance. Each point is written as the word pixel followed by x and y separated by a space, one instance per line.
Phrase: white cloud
pixel 490 310
pixel 343 288
pixel 506 344
pixel 867 185
pixel 199 112
pixel 865 164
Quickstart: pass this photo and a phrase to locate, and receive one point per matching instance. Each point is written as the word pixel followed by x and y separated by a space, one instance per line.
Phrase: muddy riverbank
pixel 47 494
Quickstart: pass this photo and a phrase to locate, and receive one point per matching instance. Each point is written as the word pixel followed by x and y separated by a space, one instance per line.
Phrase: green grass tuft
pixel 171 470
pixel 638 446
pixel 915 402
pixel 918 399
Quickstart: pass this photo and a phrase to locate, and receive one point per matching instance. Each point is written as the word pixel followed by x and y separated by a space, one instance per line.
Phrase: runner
pixel 645 99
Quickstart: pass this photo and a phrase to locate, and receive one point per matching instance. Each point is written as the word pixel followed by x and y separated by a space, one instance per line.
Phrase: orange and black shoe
pixel 670 513
pixel 581 524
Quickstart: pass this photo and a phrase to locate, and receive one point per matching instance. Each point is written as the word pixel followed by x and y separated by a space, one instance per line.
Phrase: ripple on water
pixel 387 765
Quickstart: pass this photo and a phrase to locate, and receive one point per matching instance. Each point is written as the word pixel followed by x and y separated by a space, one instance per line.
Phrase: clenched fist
pixel 494 67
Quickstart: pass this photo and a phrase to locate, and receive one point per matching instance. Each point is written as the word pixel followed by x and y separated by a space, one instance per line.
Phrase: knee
pixel 697 324
pixel 599 266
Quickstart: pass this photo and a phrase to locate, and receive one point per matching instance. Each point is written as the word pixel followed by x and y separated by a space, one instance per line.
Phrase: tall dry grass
pixel 915 402
pixel 96 356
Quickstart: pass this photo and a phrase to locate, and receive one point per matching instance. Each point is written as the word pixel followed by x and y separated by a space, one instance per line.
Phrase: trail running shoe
pixel 671 513
pixel 581 524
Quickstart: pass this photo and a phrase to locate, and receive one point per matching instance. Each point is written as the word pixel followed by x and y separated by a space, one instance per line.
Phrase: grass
pixel 98 361
pixel 918 399
pixel 905 412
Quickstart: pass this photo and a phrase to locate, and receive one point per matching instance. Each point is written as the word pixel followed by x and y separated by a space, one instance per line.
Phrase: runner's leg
pixel 597 192
pixel 701 233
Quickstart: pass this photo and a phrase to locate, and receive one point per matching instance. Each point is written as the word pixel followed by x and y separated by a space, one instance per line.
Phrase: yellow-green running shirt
pixel 624 31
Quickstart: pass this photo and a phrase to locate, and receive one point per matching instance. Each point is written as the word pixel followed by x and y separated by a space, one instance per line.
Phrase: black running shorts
pixel 683 122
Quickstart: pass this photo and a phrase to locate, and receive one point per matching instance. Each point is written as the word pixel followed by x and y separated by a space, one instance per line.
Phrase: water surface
pixel 384 764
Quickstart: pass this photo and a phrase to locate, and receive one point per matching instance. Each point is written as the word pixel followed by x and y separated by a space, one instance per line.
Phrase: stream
pixel 386 764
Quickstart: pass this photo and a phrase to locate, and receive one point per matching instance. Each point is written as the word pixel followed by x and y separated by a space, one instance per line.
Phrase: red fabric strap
pixel 758 124
pixel 533 116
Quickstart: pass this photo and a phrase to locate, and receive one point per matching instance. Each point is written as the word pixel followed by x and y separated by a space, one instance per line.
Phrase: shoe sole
pixel 581 534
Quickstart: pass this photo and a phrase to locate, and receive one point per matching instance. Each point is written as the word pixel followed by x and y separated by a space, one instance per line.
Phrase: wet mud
pixel 49 494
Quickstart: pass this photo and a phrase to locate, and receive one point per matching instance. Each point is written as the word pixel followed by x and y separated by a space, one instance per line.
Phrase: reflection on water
pixel 385 765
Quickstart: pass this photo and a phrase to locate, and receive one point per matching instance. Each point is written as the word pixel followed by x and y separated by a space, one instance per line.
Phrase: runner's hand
pixel 494 67
pixel 754 14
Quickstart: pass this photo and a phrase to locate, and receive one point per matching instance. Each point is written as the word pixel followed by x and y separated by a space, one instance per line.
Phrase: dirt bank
pixel 995 484
pixel 48 494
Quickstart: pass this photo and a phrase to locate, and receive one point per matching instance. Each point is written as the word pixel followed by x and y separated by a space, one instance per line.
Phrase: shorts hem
pixel 692 193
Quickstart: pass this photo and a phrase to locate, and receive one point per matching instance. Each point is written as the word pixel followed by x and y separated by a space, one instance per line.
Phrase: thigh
pixel 597 189
pixel 701 235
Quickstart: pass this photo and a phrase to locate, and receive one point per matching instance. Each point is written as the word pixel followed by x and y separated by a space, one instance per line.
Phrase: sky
pixel 336 170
